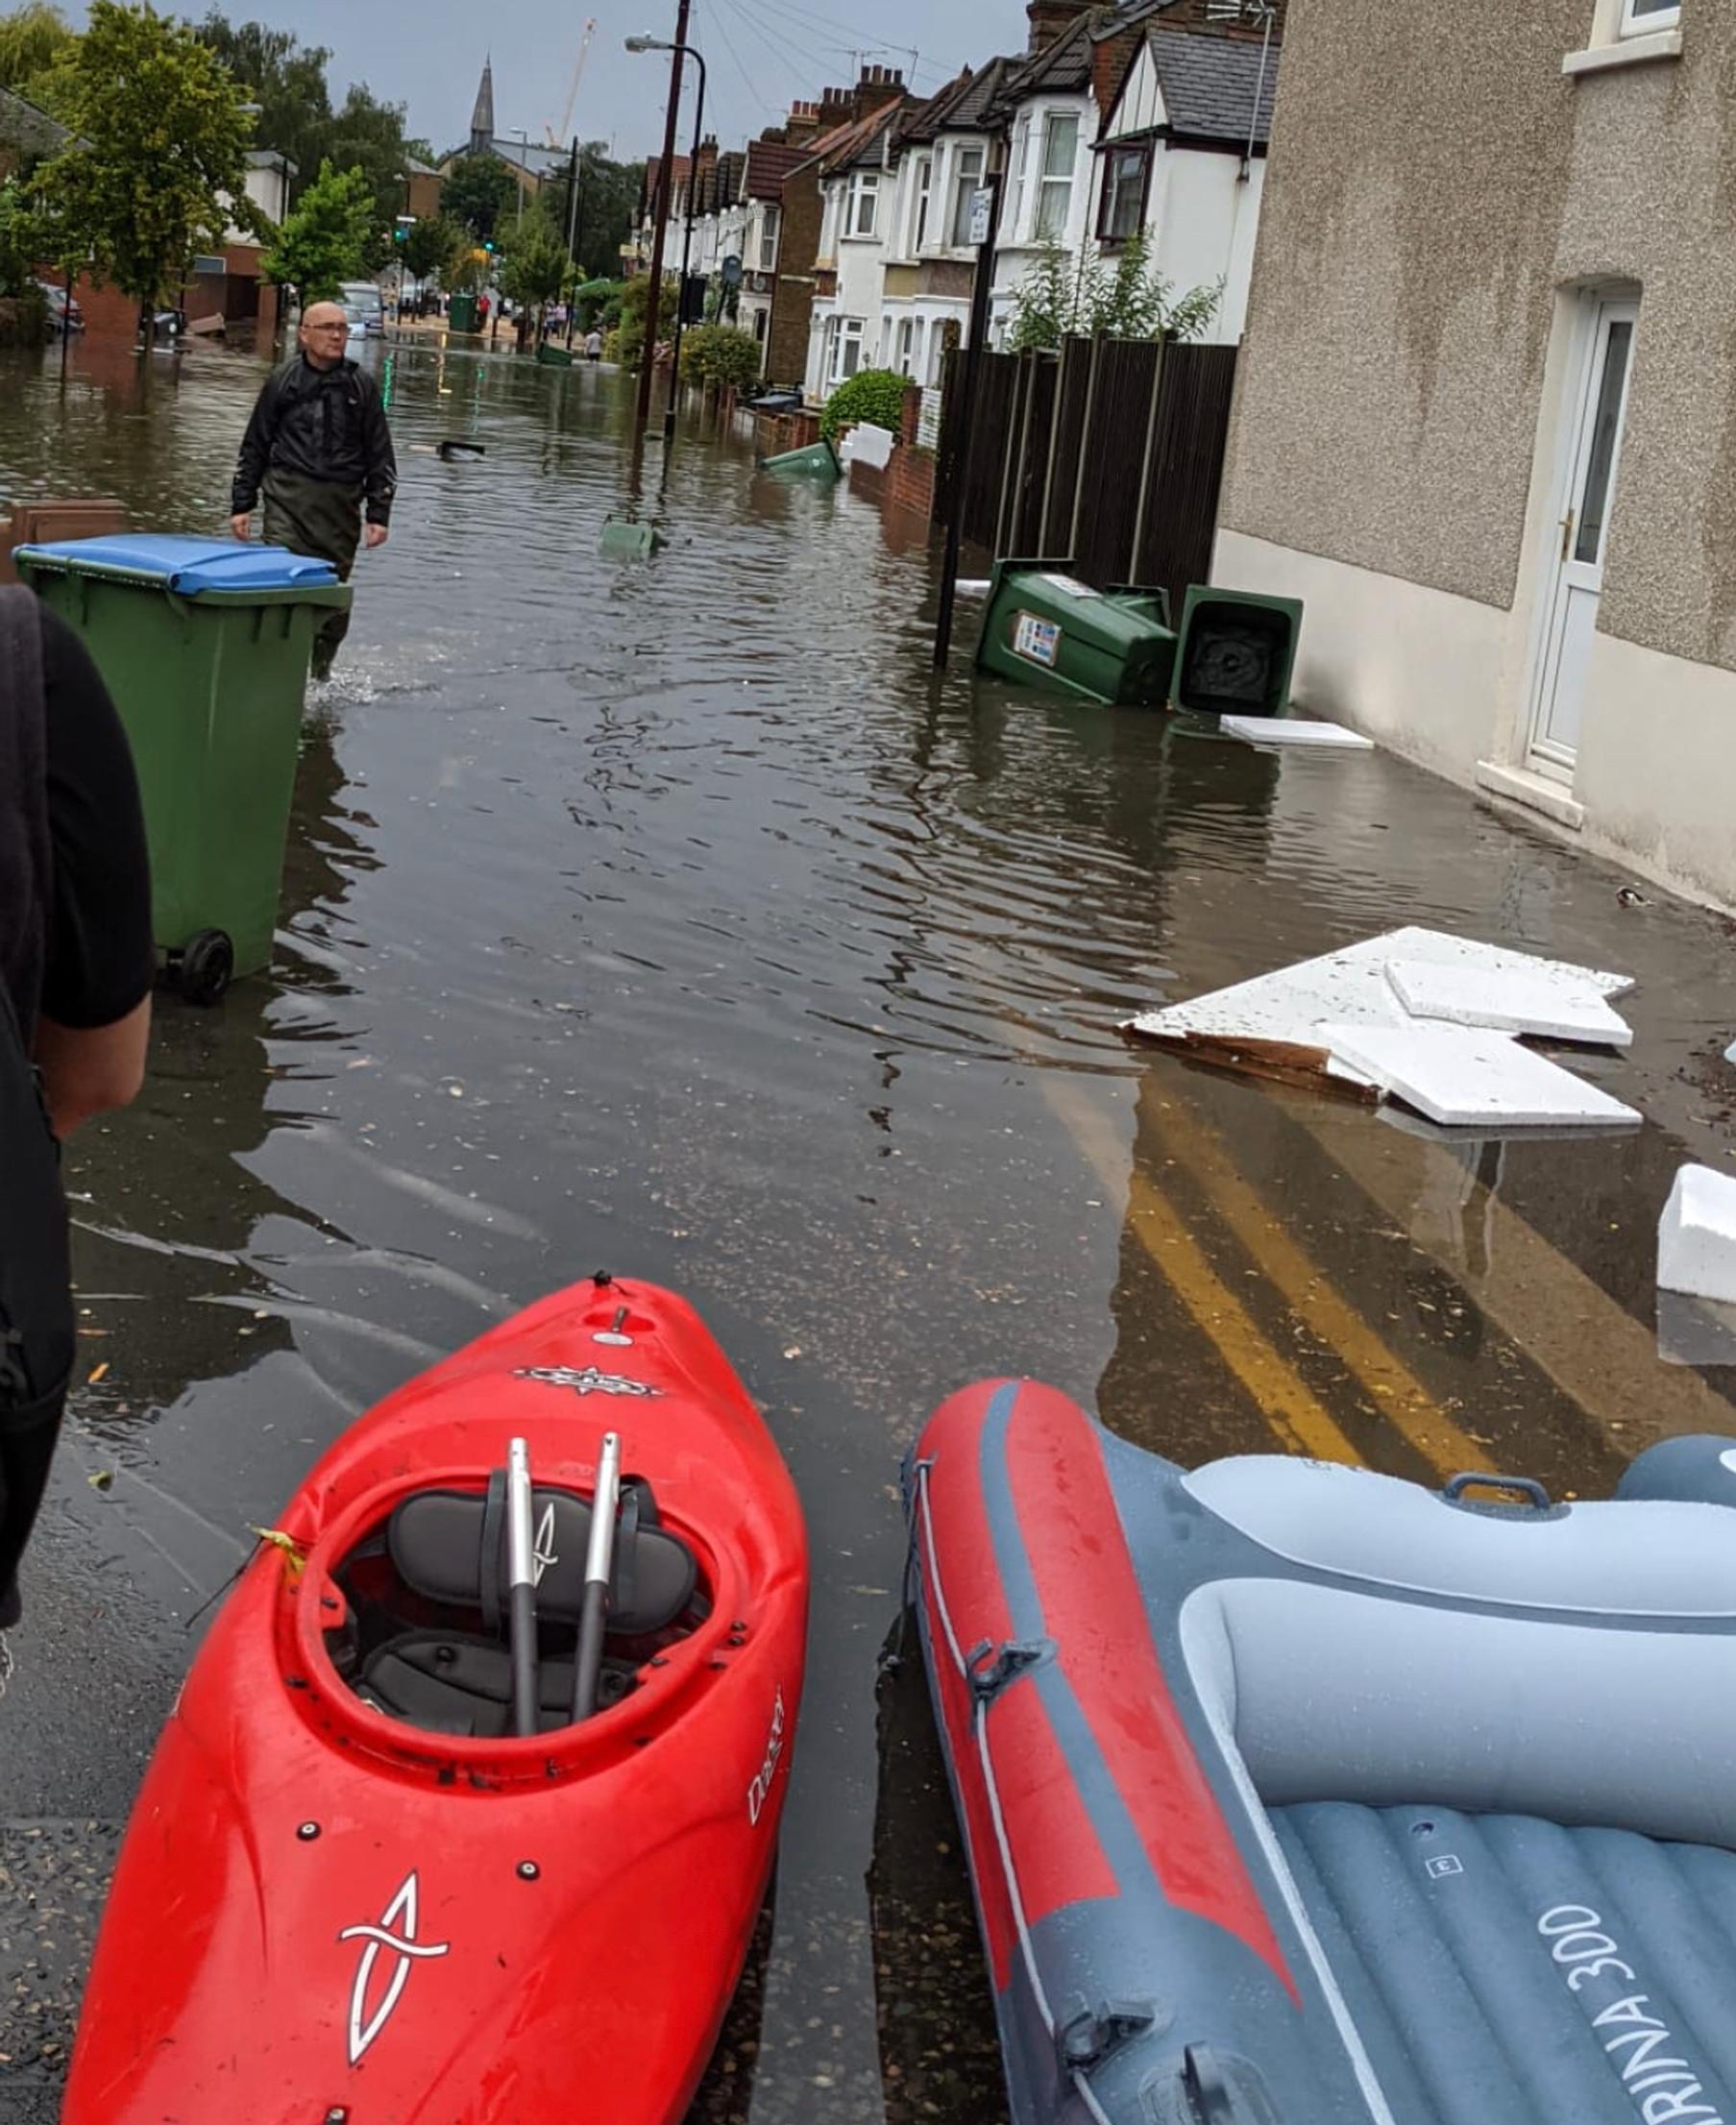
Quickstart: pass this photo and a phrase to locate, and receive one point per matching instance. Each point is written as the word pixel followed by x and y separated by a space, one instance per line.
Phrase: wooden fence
pixel 1107 455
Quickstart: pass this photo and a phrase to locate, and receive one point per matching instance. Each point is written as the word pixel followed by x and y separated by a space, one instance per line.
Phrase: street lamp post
pixel 684 51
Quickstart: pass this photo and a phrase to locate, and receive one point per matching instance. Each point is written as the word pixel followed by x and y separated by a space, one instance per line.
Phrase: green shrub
pixel 718 353
pixel 24 319
pixel 874 395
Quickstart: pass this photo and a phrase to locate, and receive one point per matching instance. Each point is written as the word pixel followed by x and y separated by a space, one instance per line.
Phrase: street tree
pixel 432 246
pixel 325 237
pixel 158 167
pixel 368 135
pixel 535 267
pixel 609 194
pixel 481 193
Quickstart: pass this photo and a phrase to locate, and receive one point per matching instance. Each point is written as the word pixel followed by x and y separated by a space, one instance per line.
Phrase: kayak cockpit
pixel 426 1636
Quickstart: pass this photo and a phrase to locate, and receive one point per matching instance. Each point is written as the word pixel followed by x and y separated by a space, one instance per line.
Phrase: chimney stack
pixel 878 86
pixel 1049 19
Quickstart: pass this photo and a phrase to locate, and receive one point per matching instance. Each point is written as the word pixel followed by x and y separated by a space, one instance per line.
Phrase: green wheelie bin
pixel 204 644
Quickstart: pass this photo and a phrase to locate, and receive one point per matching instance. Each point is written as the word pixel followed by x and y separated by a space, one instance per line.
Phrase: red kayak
pixel 468 1805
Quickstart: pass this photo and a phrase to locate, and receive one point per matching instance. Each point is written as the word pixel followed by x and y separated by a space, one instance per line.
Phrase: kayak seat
pixel 445 1682
pixel 450 1547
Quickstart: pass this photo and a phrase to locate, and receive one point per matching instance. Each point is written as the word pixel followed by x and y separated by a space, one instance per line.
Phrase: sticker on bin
pixel 1037 641
pixel 1069 586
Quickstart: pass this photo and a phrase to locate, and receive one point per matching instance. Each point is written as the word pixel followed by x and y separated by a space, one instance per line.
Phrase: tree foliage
pixel 608 205
pixel 1067 295
pixel 720 354
pixel 159 168
pixel 433 247
pixel 481 192
pixel 535 267
pixel 35 44
pixel 874 395
pixel 288 80
pixel 325 237
pixel 20 239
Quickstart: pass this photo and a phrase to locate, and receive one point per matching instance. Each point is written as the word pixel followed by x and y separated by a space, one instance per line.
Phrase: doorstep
pixel 1535 791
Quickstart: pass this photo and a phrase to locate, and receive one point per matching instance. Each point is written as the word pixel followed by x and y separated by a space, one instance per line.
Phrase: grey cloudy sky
pixel 762 53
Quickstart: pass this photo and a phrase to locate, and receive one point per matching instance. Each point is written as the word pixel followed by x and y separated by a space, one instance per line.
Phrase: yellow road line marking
pixel 1398 1393
pixel 1295 1414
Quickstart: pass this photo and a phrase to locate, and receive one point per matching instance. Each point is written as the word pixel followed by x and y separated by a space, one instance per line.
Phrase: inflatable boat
pixel 1295 1794
pixel 466 1810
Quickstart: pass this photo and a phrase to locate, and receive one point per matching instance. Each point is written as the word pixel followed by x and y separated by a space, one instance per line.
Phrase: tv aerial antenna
pixel 1253 14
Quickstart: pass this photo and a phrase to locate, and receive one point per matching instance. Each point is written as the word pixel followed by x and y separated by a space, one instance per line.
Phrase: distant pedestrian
pixel 594 344
pixel 76 968
pixel 319 446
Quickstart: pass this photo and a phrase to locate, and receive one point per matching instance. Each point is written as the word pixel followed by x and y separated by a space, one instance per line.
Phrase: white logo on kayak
pixel 383 1940
pixel 543 1552
pixel 760 1792
pixel 585 1380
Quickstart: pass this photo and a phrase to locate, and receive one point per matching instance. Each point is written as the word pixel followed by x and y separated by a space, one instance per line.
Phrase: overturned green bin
pixel 1046 628
pixel 204 644
pixel 1237 654
pixel 816 461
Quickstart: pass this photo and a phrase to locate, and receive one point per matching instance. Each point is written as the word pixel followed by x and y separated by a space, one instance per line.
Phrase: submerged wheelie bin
pixel 204 644
pixel 1044 627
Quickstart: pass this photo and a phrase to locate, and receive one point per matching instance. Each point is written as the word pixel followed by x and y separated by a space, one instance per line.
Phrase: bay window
pixel 1054 192
pixel 1126 175
pixel 967 182
pixel 846 348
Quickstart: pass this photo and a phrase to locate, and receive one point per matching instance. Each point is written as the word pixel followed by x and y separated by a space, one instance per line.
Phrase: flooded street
pixel 671 918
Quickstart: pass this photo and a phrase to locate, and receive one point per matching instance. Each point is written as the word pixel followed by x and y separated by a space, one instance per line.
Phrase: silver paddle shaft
pixel 600 1563
pixel 599 1555
pixel 521 1572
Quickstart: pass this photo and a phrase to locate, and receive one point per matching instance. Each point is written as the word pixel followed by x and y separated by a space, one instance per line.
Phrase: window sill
pixel 1535 792
pixel 1631 51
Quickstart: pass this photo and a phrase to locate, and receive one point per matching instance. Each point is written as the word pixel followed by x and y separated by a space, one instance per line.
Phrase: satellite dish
pixel 732 270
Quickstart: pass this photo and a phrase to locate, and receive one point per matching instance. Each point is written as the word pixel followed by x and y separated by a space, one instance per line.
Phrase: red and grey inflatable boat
pixel 1298 1796
pixel 467 1808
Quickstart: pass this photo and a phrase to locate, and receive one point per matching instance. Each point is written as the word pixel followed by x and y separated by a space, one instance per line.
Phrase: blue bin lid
pixel 187 566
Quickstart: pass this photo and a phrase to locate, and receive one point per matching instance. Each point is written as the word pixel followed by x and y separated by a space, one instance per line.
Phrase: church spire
pixel 482 119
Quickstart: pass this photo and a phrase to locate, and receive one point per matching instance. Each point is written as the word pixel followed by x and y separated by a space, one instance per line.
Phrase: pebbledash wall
pixel 1448 188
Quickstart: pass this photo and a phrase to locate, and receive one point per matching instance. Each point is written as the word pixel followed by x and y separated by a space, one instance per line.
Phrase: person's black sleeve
pixel 256 451
pixel 381 482
pixel 101 958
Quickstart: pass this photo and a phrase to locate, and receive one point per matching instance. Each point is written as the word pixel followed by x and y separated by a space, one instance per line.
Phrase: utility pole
pixel 665 177
pixel 988 211
pixel 573 237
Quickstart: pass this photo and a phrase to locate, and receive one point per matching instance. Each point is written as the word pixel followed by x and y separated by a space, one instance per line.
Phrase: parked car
pixel 64 311
pixel 363 307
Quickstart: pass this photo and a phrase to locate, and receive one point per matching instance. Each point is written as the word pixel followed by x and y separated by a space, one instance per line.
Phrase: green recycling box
pixel 462 313
pixel 1238 652
pixel 204 644
pixel 1046 628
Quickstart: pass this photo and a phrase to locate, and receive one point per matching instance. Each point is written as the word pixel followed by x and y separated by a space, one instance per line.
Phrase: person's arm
pixel 254 456
pixel 89 1070
pixel 380 483
pixel 95 1015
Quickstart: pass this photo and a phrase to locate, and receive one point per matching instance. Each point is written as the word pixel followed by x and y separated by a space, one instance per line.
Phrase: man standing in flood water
pixel 319 446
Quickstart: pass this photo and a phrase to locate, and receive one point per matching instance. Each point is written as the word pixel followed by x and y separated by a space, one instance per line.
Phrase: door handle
pixel 1567 535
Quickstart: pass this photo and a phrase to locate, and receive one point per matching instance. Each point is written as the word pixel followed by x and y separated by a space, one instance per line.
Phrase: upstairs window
pixel 968 182
pixel 1022 171
pixel 768 239
pixel 1641 17
pixel 1054 192
pixel 864 204
pixel 925 185
pixel 1126 176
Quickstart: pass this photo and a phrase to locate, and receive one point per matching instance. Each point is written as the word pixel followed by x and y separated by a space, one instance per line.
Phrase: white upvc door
pixel 1575 582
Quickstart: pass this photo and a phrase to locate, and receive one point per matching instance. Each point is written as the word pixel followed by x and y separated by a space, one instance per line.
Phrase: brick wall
pixel 108 314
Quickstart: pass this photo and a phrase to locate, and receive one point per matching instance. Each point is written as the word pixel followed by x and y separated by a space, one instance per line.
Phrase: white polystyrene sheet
pixel 1696 1236
pixel 868 444
pixel 1293 730
pixel 1508 1000
pixel 1350 987
pixel 1468 1077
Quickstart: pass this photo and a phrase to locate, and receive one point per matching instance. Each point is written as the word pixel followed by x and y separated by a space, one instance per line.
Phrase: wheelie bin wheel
pixel 207 967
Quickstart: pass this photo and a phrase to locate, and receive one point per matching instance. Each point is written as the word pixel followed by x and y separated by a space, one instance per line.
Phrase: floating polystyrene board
pixel 1509 1000
pixel 1294 730
pixel 1696 1236
pixel 1468 1077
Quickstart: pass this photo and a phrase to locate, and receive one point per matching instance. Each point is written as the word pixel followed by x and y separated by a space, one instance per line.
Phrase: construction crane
pixel 557 140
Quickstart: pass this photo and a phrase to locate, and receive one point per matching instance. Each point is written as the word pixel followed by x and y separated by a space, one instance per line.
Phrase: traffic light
pixel 488 244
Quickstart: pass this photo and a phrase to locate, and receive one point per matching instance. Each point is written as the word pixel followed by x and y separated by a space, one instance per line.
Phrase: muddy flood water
pixel 671 918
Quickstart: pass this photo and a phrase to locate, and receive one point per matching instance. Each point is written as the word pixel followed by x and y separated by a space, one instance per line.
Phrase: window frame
pixel 1020 160
pixel 1653 23
pixel 864 190
pixel 1048 182
pixel 959 216
pixel 769 236
pixel 922 204
pixel 1108 191
pixel 851 332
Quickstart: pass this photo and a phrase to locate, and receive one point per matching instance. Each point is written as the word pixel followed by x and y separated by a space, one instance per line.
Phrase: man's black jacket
pixel 327 423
